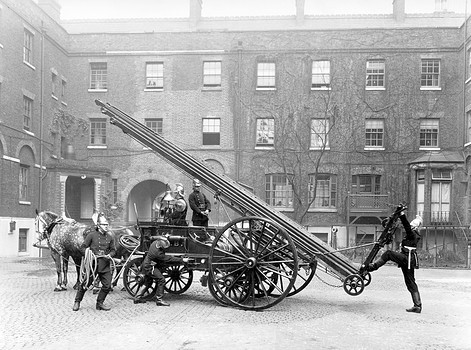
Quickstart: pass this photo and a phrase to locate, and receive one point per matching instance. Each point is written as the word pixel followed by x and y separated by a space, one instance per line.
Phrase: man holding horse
pixel 98 249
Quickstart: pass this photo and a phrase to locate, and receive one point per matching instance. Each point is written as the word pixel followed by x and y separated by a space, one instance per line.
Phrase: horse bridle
pixel 47 227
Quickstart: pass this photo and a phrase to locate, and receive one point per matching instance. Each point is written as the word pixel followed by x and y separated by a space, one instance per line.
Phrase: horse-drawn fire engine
pixel 254 261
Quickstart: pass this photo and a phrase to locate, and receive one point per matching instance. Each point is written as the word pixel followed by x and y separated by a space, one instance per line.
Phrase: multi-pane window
pixel 98 76
pixel 468 118
pixel 155 124
pixel 469 64
pixel 430 76
pixel 266 73
pixel 375 74
pixel 320 75
pixel 22 240
pixel 374 133
pixel 211 131
pixel 429 133
pixel 98 132
pixel 265 132
pixel 63 88
pixel 155 75
pixel 319 133
pixel 366 183
pixel 27 113
pixel 115 190
pixel 420 179
pixel 28 46
pixel 441 194
pixel 212 74
pixel 323 190
pixel 54 84
pixel 24 182
pixel 278 191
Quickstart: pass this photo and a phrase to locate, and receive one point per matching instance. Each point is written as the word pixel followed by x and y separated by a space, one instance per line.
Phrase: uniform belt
pixel 410 249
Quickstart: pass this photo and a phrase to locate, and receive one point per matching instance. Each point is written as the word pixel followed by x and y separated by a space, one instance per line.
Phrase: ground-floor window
pixel 23 240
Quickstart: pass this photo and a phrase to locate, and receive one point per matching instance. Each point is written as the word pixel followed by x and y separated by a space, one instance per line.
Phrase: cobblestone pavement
pixel 320 317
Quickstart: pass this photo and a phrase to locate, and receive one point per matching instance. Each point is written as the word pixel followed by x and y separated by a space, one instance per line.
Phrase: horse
pixel 64 237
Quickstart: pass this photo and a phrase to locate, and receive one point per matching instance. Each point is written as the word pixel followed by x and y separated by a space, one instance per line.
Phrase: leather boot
pixel 159 296
pixel 100 299
pixel 78 298
pixel 160 302
pixel 76 306
pixel 417 308
pixel 376 265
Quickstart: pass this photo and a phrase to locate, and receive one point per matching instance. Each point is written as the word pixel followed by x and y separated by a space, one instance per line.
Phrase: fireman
pixel 406 259
pixel 180 208
pixel 200 205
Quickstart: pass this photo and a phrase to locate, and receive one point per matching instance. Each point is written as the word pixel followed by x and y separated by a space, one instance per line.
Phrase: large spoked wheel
pixel 133 280
pixel 353 285
pixel 247 264
pixel 177 279
pixel 305 275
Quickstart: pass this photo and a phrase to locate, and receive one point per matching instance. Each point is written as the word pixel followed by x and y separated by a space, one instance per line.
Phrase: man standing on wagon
pixel 101 243
pixel 200 205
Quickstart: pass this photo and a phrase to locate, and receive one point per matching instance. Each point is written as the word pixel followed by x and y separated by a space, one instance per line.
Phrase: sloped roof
pixel 440 157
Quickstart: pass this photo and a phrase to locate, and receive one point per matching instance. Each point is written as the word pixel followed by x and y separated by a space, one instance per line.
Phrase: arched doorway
pixel 142 196
pixel 80 197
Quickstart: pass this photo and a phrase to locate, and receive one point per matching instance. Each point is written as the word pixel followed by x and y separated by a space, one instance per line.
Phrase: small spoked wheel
pixel 367 278
pixel 134 280
pixel 177 279
pixel 253 264
pixel 353 285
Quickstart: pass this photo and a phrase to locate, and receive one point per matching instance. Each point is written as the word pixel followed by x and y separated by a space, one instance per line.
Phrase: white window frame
pixel 374 134
pixel 98 139
pixel 429 136
pixel 155 124
pixel 375 75
pixel 98 76
pixel 320 75
pixel 320 128
pixel 28 47
pixel 266 76
pixel 154 76
pixel 326 191
pixel 278 191
pixel 211 128
pixel 23 183
pixel 430 74
pixel 265 137
pixel 28 105
pixel 212 74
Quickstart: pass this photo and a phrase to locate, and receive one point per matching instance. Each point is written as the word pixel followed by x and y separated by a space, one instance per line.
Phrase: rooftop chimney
pixel 300 10
pixel 195 11
pixel 52 8
pixel 399 10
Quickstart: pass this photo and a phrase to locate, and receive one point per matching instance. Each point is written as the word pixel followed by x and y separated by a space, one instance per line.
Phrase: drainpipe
pixel 41 119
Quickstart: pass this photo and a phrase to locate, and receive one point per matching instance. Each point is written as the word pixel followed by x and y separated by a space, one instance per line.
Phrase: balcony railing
pixel 436 218
pixel 368 203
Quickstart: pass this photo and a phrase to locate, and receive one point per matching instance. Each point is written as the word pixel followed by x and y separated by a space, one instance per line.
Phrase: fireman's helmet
pixel 101 222
pixel 416 223
pixel 196 183
pixel 179 190
pixel 162 242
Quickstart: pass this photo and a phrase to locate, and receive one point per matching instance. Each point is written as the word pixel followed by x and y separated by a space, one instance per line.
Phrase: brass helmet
pixel 196 183
pixel 162 242
pixel 179 190
pixel 180 205
pixel 100 221
pixel 416 223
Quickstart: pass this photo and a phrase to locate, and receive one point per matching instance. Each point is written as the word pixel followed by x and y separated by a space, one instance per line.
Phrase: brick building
pixel 333 120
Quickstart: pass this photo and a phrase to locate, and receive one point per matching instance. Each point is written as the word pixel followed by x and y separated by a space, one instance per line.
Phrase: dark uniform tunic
pixel 199 203
pixel 101 244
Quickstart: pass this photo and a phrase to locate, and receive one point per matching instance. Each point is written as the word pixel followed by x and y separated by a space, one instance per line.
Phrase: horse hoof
pixel 63 288
pixel 57 289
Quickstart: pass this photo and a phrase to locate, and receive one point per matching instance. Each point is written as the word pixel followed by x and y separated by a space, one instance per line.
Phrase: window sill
pixel 154 90
pixel 316 148
pixel 467 144
pixel 28 132
pixel 375 88
pixel 97 90
pixel 322 210
pixel 266 89
pixel 97 147
pixel 468 80
pixel 374 149
pixel 211 88
pixel 430 88
pixel 267 147
pixel 64 103
pixel 54 97
pixel 429 148
pixel 323 88
pixel 284 209
pixel 211 146
pixel 24 202
pixel 29 65
pixel 1 46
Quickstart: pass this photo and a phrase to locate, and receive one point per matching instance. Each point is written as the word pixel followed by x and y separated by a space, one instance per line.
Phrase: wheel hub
pixel 251 262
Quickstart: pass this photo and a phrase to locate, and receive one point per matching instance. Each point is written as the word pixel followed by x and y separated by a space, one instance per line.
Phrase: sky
pixel 92 9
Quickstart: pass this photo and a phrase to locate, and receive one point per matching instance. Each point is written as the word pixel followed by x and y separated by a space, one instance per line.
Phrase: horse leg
pixel 65 269
pixel 78 263
pixel 58 262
